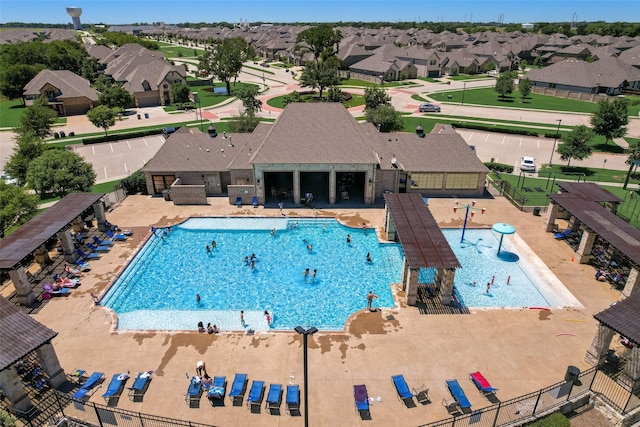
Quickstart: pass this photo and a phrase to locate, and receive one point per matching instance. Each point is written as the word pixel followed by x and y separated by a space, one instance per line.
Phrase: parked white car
pixel 527 164
pixel 8 179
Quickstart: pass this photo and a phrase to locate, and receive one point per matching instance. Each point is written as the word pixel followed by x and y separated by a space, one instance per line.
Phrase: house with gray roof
pixel 150 83
pixel 610 76
pixel 313 151
pixel 67 93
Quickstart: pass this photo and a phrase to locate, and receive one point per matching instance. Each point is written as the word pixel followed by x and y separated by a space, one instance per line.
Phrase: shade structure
pixel 503 228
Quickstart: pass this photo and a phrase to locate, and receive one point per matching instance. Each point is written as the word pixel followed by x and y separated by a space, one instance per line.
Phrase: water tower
pixel 75 12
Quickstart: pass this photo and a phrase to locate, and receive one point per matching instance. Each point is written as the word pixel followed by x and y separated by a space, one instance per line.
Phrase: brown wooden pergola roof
pixel 26 239
pixel 19 334
pixel 422 240
pixel 580 200
pixel 623 318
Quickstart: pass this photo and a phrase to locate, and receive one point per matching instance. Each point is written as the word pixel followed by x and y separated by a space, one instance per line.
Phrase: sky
pixel 178 11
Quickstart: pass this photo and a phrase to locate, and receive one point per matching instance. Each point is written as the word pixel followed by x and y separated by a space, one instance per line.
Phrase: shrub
pixel 490 128
pixel 499 167
pixel 6 420
pixel 554 420
pixel 135 183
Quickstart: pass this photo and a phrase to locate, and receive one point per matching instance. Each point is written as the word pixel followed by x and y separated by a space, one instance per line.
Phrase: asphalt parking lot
pixel 119 159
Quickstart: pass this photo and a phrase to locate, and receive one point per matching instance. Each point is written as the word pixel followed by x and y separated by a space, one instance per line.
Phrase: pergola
pixel 408 218
pixel 31 237
pixel 582 204
pixel 20 336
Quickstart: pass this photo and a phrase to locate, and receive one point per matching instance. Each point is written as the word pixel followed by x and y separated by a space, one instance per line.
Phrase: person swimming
pixel 369 257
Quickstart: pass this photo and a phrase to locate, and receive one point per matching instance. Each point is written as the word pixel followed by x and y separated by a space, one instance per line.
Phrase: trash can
pixel 146 115
pixel 536 211
pixel 139 117
pixel 166 194
pixel 572 373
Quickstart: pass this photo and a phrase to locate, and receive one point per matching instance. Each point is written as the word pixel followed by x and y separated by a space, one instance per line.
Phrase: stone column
pixel 412 285
pixel 68 246
pixel 98 210
pixel 50 364
pixel 13 390
pixel 389 226
pixel 633 282
pixel 599 346
pixel 585 246
pixel 41 256
pixel 332 187
pixel 296 187
pixel 24 291
pixel 550 220
pixel 405 274
pixel 632 368
pixel 77 224
pixel 444 281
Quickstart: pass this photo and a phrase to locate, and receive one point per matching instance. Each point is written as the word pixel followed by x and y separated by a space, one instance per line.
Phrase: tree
pixel 385 118
pixel 334 94
pixel 321 74
pixel 225 59
pixel 245 122
pixel 180 92
pixel 610 119
pixel 634 156
pixel 102 117
pixel 524 86
pixel 38 119
pixel 16 206
pixel 60 172
pixel 321 40
pixel 523 65
pixel 489 66
pixel 116 97
pixel 248 95
pixel 504 84
pixel 13 79
pixel 28 148
pixel 575 144
pixel 374 97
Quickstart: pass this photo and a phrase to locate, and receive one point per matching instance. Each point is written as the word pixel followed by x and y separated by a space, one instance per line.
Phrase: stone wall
pixel 246 192
pixel 188 194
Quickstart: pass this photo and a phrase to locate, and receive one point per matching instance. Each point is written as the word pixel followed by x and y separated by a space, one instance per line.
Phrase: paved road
pixel 116 160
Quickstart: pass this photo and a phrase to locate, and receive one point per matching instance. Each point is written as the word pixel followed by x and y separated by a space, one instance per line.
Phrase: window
pixel 427 180
pixel 162 182
pixel 432 62
pixel 462 181
pixel 165 86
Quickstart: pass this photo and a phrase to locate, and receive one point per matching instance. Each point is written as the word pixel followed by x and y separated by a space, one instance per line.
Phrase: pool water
pixel 167 274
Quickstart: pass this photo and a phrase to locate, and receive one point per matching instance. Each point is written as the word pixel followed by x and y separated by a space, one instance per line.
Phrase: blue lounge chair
pixel 293 399
pixel 254 202
pixel 95 248
pixel 458 394
pixel 402 388
pixel 87 256
pixel 114 390
pixel 239 201
pixel 238 389
pixel 274 399
pixel 140 385
pixel 254 401
pixel 48 291
pixel 194 392
pixel 113 236
pixel 217 391
pixel 361 397
pixel 564 234
pixel 101 242
pixel 88 385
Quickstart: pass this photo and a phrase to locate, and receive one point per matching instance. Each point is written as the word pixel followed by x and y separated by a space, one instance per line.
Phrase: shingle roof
pixel 19 334
pixel 152 72
pixel 606 72
pixel 70 85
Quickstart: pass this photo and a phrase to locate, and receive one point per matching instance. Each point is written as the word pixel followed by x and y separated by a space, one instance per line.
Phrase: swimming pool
pixel 158 288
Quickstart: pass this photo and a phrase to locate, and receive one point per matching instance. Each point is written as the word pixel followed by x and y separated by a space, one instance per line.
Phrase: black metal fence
pixel 526 408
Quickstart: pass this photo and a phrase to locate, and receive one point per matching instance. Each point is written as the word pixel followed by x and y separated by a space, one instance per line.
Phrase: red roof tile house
pixel 67 93
pixel 315 149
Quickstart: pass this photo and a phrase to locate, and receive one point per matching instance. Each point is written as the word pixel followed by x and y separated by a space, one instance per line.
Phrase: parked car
pixel 264 64
pixel 8 179
pixel 429 108
pixel 527 164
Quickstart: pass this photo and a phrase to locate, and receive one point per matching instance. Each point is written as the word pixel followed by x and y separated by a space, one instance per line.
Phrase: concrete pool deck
pixel 518 350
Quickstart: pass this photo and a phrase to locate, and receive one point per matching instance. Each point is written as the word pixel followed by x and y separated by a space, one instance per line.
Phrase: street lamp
pixel 555 141
pixel 464 87
pixel 381 79
pixel 196 99
pixel 469 207
pixel 305 333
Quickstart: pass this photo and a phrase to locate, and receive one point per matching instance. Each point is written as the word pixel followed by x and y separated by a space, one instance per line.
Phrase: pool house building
pixel 314 152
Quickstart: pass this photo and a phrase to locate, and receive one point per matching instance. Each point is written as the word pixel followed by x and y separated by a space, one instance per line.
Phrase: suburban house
pixel 150 83
pixel 383 65
pixel 610 76
pixel 426 61
pixel 302 157
pixel 66 92
pixel 460 61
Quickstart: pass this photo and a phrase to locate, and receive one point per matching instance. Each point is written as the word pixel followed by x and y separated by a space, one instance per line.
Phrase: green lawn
pixel 364 83
pixel 10 113
pixel 260 69
pixel 488 96
pixel 207 97
pixel 171 51
pixel 278 101
pixel 461 77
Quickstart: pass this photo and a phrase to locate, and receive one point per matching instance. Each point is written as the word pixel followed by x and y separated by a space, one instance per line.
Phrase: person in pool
pixel 306 272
